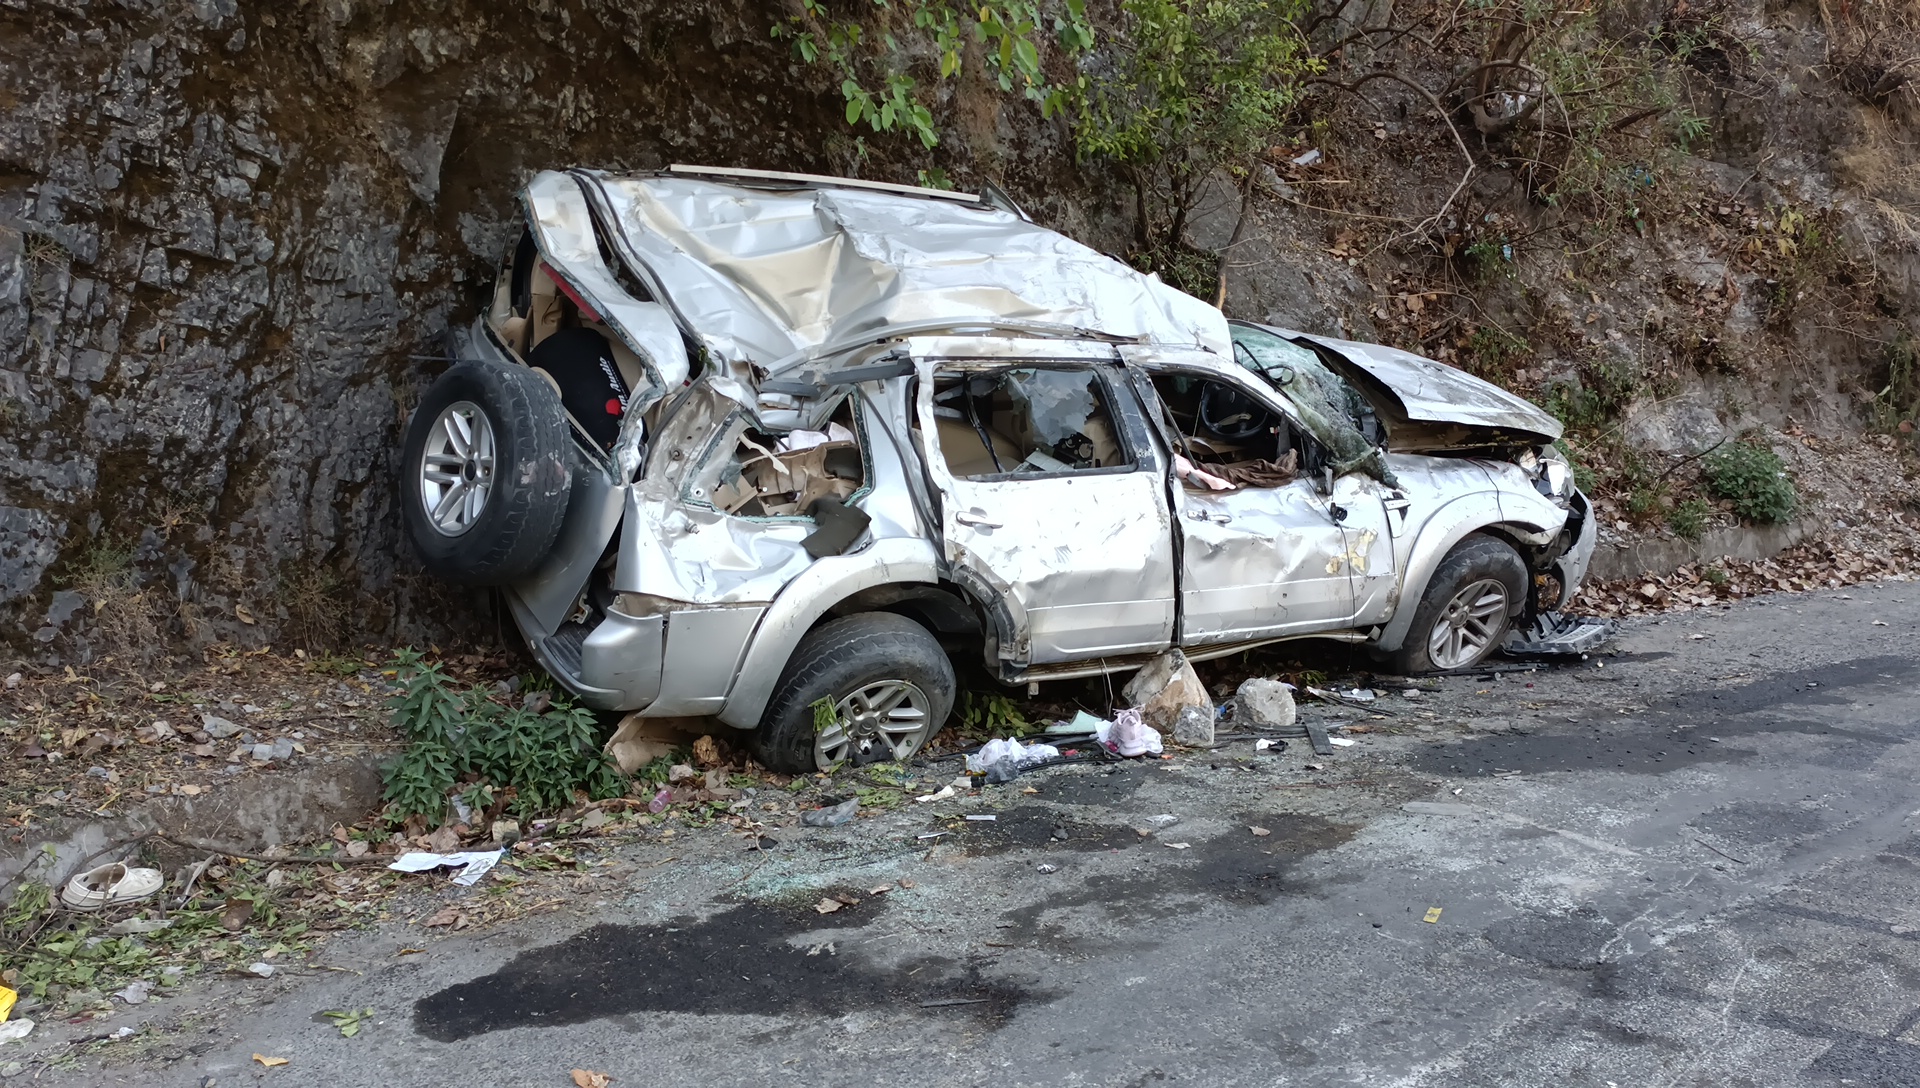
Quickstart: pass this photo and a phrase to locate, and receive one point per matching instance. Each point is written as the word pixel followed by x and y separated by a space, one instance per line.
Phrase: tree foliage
pixel 873 46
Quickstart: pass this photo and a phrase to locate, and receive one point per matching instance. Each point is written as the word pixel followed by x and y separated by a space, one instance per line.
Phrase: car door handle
pixel 976 519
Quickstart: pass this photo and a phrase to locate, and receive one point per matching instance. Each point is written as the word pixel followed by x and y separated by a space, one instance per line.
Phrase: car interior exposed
pixel 544 326
pixel 787 475
pixel 1231 436
pixel 1025 421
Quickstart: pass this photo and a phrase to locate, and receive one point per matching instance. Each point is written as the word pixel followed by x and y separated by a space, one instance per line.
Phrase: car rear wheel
pixel 1465 612
pixel 484 476
pixel 886 681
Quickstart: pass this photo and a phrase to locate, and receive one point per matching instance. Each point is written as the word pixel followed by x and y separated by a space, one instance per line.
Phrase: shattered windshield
pixel 1330 407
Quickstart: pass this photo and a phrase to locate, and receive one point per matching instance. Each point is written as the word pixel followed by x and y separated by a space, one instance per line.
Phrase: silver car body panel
pixel 786 281
pixel 563 230
pixel 1429 391
pixel 762 275
pixel 1082 562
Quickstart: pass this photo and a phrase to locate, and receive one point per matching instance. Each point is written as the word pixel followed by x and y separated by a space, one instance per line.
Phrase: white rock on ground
pixel 1264 704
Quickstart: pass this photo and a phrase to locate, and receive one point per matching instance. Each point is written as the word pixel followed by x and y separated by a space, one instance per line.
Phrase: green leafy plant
pixel 1688 520
pixel 870 45
pixel 348 1020
pixel 1753 479
pixel 540 757
pixel 986 716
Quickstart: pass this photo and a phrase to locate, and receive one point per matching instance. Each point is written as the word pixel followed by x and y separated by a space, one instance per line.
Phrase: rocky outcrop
pixel 229 238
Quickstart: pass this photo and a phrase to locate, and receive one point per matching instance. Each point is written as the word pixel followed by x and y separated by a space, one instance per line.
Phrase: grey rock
pixel 1264 704
pixel 217 727
pixel 1194 727
pixel 65 603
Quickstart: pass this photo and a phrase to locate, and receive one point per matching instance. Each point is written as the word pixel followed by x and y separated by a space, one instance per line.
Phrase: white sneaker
pixel 110 885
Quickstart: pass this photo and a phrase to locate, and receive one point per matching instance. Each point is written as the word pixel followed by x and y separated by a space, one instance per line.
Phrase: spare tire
pixel 484 479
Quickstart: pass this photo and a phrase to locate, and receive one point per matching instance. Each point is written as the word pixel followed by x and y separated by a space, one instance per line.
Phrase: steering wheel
pixel 1231 414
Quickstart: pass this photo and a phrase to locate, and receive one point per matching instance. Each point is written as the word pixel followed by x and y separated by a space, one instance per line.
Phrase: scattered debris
pixel 1177 845
pixel 1433 915
pixel 261 968
pixel 940 794
pixel 7 998
pixel 1003 760
pixel 348 1020
pixel 587 1078
pixel 1263 744
pixel 842 813
pixel 1194 727
pixel 1165 686
pixel 110 885
pixel 448 916
pixel 1129 736
pixel 269 1062
pixel 982 817
pixel 15 1029
pixel 828 906
pixel 1046 867
pixel 1260 832
pixel 136 992
pixel 473 864
pixel 1342 742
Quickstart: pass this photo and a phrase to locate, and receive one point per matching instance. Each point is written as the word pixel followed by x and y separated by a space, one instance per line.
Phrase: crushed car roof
pixel 767 268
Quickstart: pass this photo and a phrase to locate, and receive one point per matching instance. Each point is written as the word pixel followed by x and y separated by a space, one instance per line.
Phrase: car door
pixel 1264 561
pixel 1361 505
pixel 1260 562
pixel 1052 501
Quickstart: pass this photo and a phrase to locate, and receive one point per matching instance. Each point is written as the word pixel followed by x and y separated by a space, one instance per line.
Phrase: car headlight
pixel 1558 478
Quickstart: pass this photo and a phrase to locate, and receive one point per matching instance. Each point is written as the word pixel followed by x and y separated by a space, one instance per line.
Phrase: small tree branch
pixel 1440 108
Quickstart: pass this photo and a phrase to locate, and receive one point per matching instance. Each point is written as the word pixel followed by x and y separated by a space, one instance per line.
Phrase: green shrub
pixel 456 737
pixel 1689 519
pixel 1754 479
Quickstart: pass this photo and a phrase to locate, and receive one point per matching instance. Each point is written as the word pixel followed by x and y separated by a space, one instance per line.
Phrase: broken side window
pixel 1024 421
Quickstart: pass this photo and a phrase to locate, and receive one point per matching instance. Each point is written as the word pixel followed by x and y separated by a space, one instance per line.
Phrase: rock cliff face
pixel 230 233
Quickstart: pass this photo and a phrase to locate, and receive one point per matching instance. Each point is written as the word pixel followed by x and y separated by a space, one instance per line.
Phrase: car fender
pixel 1447 527
pixel 804 601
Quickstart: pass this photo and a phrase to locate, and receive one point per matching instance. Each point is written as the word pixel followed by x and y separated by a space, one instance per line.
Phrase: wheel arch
pixel 811 599
pixel 1443 533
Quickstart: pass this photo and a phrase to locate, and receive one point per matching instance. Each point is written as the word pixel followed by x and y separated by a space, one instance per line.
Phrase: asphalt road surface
pixel 1692 862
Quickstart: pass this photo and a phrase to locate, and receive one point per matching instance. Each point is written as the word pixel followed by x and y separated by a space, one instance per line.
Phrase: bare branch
pixel 1440 108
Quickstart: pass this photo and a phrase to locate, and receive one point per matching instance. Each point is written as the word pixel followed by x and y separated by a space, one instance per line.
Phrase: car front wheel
pixel 863 688
pixel 1465 612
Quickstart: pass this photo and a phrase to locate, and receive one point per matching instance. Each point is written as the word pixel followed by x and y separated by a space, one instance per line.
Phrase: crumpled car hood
pixel 765 273
pixel 1433 392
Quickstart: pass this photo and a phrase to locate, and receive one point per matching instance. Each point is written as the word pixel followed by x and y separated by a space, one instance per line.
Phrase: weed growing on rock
pixel 1754 479
pixel 530 757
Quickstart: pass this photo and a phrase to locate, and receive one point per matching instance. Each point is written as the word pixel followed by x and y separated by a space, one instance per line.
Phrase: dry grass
pixel 128 619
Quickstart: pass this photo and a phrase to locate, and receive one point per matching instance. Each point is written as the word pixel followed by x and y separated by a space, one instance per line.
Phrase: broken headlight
pixel 1555 480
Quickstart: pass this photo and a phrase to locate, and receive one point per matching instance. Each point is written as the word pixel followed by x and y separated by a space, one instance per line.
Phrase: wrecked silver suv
pixel 735 443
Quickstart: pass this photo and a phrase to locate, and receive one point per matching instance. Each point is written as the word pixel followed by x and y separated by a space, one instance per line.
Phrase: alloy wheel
pixel 456 472
pixel 884 719
pixel 1467 626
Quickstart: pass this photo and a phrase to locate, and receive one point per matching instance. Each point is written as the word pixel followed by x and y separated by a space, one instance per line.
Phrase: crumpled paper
pixel 474 864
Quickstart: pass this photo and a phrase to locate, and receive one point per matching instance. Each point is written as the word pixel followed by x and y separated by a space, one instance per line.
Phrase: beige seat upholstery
pixel 967 456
